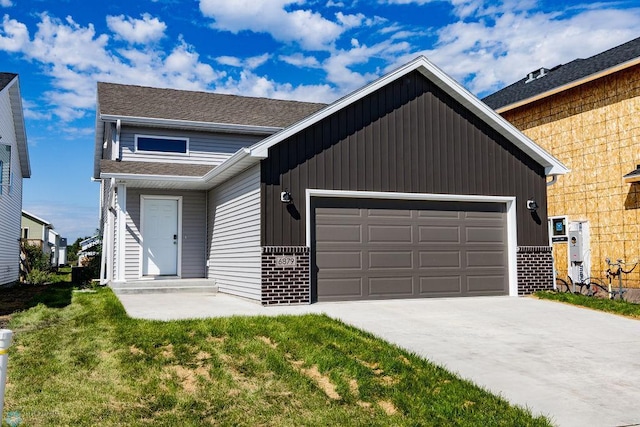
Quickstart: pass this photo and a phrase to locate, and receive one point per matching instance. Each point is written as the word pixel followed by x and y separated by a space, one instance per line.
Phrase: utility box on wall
pixel 576 251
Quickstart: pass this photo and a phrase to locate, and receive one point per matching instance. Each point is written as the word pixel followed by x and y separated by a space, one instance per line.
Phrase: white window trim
pixel 164 153
pixel 144 197
pixel 510 203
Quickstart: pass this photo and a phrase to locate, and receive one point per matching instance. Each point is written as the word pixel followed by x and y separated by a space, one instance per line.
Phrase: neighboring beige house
pixel 40 232
pixel 14 166
pixel 587 114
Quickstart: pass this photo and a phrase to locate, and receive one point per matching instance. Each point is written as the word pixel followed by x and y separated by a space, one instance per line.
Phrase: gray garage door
pixel 379 249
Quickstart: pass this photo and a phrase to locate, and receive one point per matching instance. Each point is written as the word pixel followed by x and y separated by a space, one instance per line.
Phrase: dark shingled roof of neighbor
pixel 563 74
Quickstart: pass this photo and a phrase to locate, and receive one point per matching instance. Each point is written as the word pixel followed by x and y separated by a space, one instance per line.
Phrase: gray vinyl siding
pixel 193 232
pixel 234 235
pixel 411 137
pixel 10 204
pixel 204 147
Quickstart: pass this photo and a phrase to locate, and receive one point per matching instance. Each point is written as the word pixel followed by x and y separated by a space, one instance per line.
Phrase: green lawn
pixel 623 308
pixel 87 363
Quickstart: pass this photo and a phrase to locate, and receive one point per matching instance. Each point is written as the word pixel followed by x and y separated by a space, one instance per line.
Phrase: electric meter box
pixel 575 246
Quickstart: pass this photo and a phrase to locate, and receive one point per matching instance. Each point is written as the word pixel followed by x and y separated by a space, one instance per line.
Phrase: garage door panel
pixel 484 235
pixel 341 288
pixel 340 233
pixel 339 260
pixel 439 259
pixel 441 285
pixel 390 234
pixel 432 214
pixel 340 212
pixel 485 258
pixel 389 213
pixel 398 287
pixel 409 249
pixel 381 260
pixel 435 234
pixel 485 283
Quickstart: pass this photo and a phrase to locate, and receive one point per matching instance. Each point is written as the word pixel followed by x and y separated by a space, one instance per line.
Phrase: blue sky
pixel 305 50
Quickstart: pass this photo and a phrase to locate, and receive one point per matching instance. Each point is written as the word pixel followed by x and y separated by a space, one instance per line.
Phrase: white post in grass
pixel 5 343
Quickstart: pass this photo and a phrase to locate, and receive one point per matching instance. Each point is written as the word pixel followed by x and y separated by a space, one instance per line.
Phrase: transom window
pixel 161 144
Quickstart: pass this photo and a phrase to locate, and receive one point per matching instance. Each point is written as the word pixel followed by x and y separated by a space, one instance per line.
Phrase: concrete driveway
pixel 577 366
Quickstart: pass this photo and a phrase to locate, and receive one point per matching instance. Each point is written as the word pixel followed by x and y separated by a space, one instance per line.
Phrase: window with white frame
pixel 5 168
pixel 161 144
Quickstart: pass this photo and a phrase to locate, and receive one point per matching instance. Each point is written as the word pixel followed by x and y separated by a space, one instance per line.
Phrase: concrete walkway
pixel 577 366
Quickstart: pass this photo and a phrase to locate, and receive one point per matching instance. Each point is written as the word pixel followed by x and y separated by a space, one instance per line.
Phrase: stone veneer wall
pixel 535 269
pixel 285 284
pixel 594 129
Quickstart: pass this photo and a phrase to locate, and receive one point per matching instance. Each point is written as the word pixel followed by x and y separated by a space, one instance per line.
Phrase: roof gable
pixel 448 85
pixel 9 82
pixel 564 76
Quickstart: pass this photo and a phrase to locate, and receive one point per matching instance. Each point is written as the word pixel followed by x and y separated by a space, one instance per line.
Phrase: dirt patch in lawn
pixel 323 381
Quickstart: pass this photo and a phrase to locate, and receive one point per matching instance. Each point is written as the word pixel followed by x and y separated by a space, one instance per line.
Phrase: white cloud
pixel 275 17
pixel 250 84
pixel 14 35
pixel 299 60
pixel 6 3
pixel 488 54
pixel 75 57
pixel 142 31
pixel 332 3
pixel 250 63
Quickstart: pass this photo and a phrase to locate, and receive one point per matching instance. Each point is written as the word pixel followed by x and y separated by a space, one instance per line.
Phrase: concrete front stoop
pixel 157 286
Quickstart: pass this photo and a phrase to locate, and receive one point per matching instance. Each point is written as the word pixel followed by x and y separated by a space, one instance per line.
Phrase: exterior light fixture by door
pixel 532 205
pixel 285 197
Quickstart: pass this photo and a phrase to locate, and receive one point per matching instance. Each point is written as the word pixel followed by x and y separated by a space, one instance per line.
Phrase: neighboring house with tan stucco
pixel 587 114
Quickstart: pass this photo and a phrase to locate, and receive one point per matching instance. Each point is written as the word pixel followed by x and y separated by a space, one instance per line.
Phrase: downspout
pixel 554 179
pixel 206 234
pixel 116 146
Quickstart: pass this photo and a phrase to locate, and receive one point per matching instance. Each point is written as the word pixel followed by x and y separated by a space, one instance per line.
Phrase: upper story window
pixel 5 168
pixel 160 144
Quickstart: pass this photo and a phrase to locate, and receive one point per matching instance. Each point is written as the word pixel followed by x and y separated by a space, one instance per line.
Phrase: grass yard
pixel 624 308
pixel 87 363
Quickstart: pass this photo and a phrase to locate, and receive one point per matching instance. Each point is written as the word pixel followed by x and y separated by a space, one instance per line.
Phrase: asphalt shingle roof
pixel 148 102
pixel 564 74
pixel 153 168
pixel 5 79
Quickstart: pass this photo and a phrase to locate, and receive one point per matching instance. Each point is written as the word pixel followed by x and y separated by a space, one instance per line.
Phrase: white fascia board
pixel 37 218
pixel 140 177
pixel 18 122
pixel 451 87
pixel 170 123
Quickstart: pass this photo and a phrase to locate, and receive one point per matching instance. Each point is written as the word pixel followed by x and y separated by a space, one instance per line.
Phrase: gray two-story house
pixel 408 187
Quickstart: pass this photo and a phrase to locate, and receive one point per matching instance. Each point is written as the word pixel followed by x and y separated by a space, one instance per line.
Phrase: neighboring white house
pixel 14 166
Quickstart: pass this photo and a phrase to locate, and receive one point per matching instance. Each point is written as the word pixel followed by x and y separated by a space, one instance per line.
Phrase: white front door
pixel 160 236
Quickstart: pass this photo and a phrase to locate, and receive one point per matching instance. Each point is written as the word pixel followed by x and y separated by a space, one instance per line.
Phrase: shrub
pixel 36 258
pixel 38 277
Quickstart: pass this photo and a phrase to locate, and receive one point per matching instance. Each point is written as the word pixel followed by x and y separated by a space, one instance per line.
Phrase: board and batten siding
pixel 10 202
pixel 204 147
pixel 193 232
pixel 234 235
pixel 408 137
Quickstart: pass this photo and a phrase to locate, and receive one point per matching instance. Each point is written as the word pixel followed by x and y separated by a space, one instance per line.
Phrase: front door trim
pixel 509 201
pixel 144 197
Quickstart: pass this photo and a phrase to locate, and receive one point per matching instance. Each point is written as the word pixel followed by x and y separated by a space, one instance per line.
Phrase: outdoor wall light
pixel 285 197
pixel 532 205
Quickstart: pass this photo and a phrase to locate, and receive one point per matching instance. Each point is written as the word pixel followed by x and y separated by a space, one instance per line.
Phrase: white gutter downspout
pixel 554 179
pixel 115 155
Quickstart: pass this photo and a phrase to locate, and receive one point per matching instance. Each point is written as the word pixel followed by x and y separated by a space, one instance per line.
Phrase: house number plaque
pixel 286 261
